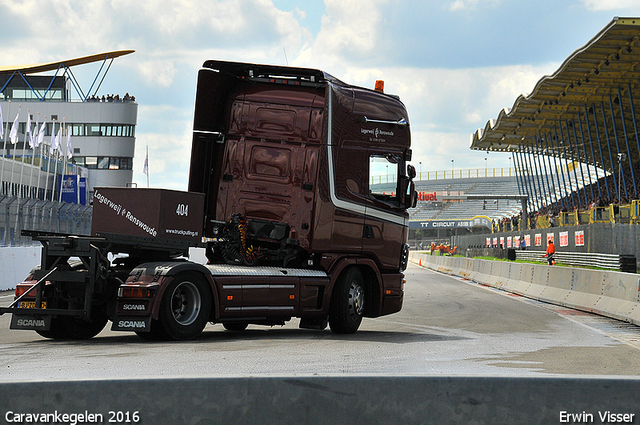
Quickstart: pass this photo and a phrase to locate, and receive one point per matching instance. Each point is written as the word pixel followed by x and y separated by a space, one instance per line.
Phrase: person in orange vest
pixel 551 249
pixel 433 247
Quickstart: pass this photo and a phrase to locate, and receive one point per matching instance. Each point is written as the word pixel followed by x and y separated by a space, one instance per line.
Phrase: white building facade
pixel 97 140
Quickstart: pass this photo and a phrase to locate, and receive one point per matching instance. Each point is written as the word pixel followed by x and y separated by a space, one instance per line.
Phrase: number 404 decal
pixel 182 209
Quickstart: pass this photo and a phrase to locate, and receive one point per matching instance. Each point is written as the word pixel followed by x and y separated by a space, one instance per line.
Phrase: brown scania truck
pixel 282 201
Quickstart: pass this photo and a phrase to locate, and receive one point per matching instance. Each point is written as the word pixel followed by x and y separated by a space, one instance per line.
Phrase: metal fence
pixel 17 214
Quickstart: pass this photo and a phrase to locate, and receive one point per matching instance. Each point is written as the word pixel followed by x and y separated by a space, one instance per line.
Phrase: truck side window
pixel 383 176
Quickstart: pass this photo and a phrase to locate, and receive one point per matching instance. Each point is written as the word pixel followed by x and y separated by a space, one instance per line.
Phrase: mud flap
pixel 131 323
pixel 27 322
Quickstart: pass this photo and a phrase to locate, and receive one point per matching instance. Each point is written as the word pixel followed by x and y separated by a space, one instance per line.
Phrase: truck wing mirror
pixel 412 200
pixel 411 171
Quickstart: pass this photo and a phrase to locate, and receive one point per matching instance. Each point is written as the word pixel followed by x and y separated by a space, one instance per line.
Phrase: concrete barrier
pixel 608 293
pixel 353 400
pixel 16 263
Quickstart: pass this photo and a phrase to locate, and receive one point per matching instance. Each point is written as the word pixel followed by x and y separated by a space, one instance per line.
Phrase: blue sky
pixel 455 63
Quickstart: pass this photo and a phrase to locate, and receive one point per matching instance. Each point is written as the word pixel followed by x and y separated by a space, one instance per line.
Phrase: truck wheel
pixel 347 303
pixel 74 328
pixel 235 326
pixel 185 307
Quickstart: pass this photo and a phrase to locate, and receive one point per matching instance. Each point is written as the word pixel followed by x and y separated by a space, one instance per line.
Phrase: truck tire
pixel 185 307
pixel 347 303
pixel 75 328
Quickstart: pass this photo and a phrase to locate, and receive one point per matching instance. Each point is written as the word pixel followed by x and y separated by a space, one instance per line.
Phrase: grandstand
pixel 575 141
pixel 451 206
pixel 578 127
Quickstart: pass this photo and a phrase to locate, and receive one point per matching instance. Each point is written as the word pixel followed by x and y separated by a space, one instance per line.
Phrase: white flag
pixel 13 134
pixel 145 169
pixel 40 137
pixel 54 139
pixel 58 137
pixel 34 137
pixel 69 148
pixel 1 124
pixel 28 131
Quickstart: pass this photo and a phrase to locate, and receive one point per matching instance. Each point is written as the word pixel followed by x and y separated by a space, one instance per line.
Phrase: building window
pixel 104 162
pixel 91 162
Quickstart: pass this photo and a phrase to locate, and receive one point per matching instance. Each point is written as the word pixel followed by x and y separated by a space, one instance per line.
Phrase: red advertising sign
pixel 538 239
pixel 580 238
pixel 424 196
pixel 564 238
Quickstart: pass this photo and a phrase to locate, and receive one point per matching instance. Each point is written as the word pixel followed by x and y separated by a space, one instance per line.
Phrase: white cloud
pixel 349 30
pixel 458 5
pixel 597 5
pixel 157 72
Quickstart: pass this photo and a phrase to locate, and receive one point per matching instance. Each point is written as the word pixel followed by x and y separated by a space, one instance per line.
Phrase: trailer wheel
pixel 235 326
pixel 347 303
pixel 185 307
pixel 75 328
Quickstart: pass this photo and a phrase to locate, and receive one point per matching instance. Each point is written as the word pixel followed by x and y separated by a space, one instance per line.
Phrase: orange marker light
pixel 379 86
pixel 292 297
pixel 229 297
pixel 133 292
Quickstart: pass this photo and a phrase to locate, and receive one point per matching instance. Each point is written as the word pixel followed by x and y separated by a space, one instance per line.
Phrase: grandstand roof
pixel 53 66
pixel 607 67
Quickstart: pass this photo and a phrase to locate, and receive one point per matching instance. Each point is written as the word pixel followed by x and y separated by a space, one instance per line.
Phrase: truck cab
pixel 316 168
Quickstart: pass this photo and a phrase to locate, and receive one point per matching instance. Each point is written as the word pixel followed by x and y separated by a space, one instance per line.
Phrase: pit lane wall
pixel 345 399
pixel 608 293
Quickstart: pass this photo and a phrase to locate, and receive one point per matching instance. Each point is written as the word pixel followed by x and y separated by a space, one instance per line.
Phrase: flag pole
pixel 147 165
pixel 4 149
pixel 24 145
pixel 53 185
pixel 14 143
pixel 64 161
pixel 32 143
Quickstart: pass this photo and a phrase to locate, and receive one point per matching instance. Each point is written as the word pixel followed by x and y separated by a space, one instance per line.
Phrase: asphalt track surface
pixel 448 326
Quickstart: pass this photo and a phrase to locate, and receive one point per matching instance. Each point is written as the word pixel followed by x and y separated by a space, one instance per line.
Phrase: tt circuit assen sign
pixel 451 224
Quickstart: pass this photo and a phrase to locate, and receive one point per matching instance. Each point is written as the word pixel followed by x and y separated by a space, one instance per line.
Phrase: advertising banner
pixel 82 190
pixel 579 238
pixel 69 189
pixel 449 224
pixel 564 238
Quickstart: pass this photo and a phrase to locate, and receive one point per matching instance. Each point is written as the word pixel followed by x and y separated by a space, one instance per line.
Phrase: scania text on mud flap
pixel 282 197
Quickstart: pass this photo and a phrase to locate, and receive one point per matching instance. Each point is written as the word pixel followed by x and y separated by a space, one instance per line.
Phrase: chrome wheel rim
pixel 356 300
pixel 185 303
